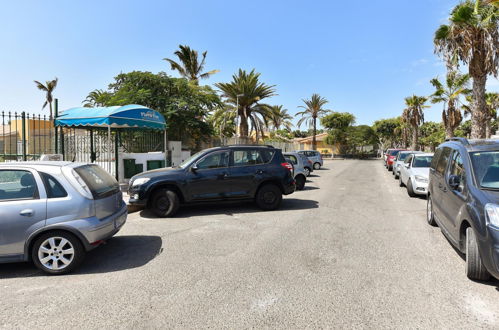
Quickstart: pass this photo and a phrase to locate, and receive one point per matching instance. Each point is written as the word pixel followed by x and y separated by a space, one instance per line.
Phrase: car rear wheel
pixel 300 182
pixel 57 252
pixel 430 217
pixel 165 203
pixel 475 270
pixel 410 189
pixel 317 166
pixel 268 197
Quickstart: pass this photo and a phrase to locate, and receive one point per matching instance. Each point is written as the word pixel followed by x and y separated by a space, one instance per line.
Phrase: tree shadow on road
pixel 119 253
pixel 230 208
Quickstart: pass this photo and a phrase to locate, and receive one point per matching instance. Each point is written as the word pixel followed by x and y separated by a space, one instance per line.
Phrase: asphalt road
pixel 351 251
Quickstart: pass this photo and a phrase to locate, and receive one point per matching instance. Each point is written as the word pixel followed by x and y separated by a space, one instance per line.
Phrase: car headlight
pixel 140 181
pixel 492 214
pixel 420 178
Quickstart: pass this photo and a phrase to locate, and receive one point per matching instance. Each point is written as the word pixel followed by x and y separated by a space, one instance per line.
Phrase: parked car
pixel 415 172
pixel 385 155
pixel 259 173
pixel 315 157
pixel 463 200
pixel 298 161
pixel 390 157
pixel 52 213
pixel 399 161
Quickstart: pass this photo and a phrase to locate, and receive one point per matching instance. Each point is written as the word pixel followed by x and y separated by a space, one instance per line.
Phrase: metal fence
pixel 24 136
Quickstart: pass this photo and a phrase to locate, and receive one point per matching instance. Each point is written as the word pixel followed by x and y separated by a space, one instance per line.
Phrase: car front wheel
pixel 430 217
pixel 410 189
pixel 165 203
pixel 268 197
pixel 57 252
pixel 475 270
pixel 306 170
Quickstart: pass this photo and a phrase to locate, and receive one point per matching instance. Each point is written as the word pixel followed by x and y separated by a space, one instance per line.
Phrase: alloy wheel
pixel 56 253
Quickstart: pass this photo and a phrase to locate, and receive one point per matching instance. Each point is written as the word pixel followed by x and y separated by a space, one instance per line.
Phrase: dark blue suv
pixel 463 200
pixel 259 173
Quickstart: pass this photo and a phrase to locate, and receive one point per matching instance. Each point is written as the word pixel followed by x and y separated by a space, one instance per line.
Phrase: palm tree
pixel 414 116
pixel 492 104
pixel 456 85
pixel 48 88
pixel 280 117
pixel 95 98
pixel 189 66
pixel 222 120
pixel 472 37
pixel 244 93
pixel 313 110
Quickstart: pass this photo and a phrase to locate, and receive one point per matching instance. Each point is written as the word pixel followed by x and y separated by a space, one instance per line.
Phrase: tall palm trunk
pixel 478 113
pixel 314 138
pixel 488 129
pixel 415 135
pixel 243 125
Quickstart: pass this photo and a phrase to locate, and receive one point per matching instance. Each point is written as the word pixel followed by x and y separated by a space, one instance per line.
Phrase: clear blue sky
pixel 363 56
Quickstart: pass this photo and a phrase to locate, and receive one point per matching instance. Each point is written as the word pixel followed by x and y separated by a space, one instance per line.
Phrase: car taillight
pixel 288 166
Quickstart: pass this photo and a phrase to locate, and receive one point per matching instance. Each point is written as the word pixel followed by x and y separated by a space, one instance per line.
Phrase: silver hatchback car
pixel 52 213
pixel 300 173
pixel 315 157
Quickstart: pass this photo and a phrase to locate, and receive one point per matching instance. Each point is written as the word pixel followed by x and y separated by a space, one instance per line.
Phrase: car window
pixel 100 183
pixel 402 156
pixel 422 161
pixel 252 156
pixel 486 168
pixel 292 159
pixel 434 161
pixel 443 160
pixel 53 187
pixel 408 160
pixel 214 160
pixel 457 168
pixel 17 184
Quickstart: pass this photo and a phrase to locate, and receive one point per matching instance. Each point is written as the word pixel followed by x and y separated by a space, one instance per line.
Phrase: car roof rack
pixel 463 141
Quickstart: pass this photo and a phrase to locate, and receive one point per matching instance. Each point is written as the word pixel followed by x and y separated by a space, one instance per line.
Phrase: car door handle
pixel 259 172
pixel 26 213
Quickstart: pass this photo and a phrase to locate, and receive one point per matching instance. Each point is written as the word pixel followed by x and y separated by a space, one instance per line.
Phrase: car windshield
pixel 186 163
pixel 422 161
pixel 403 155
pixel 486 168
pixel 393 152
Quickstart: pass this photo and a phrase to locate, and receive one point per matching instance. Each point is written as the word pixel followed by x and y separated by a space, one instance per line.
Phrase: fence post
pixel 23 118
pixel 56 113
pixel 116 154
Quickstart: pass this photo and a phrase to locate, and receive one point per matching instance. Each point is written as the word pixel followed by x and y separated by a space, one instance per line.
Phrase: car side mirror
pixel 194 168
pixel 407 165
pixel 454 182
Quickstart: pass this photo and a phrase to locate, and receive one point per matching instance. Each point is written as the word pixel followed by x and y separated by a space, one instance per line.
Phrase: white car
pixel 399 161
pixel 415 172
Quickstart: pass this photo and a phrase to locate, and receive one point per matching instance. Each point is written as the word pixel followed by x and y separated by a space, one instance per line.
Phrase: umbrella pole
pixel 166 148
pixel 109 147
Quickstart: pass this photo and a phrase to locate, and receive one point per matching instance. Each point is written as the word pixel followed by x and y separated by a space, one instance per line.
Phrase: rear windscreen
pixel 393 152
pixel 100 183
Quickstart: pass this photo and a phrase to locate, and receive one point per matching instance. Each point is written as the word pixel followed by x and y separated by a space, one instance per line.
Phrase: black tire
pixel 475 270
pixel 165 203
pixel 317 166
pixel 396 175
pixel 268 197
pixel 410 189
pixel 56 255
pixel 300 182
pixel 401 184
pixel 430 217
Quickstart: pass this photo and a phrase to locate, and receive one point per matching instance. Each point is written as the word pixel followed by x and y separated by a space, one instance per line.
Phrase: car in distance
pixel 52 213
pixel 315 157
pixel 399 161
pixel 390 157
pixel 298 161
pixel 463 200
pixel 414 173
pixel 258 173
